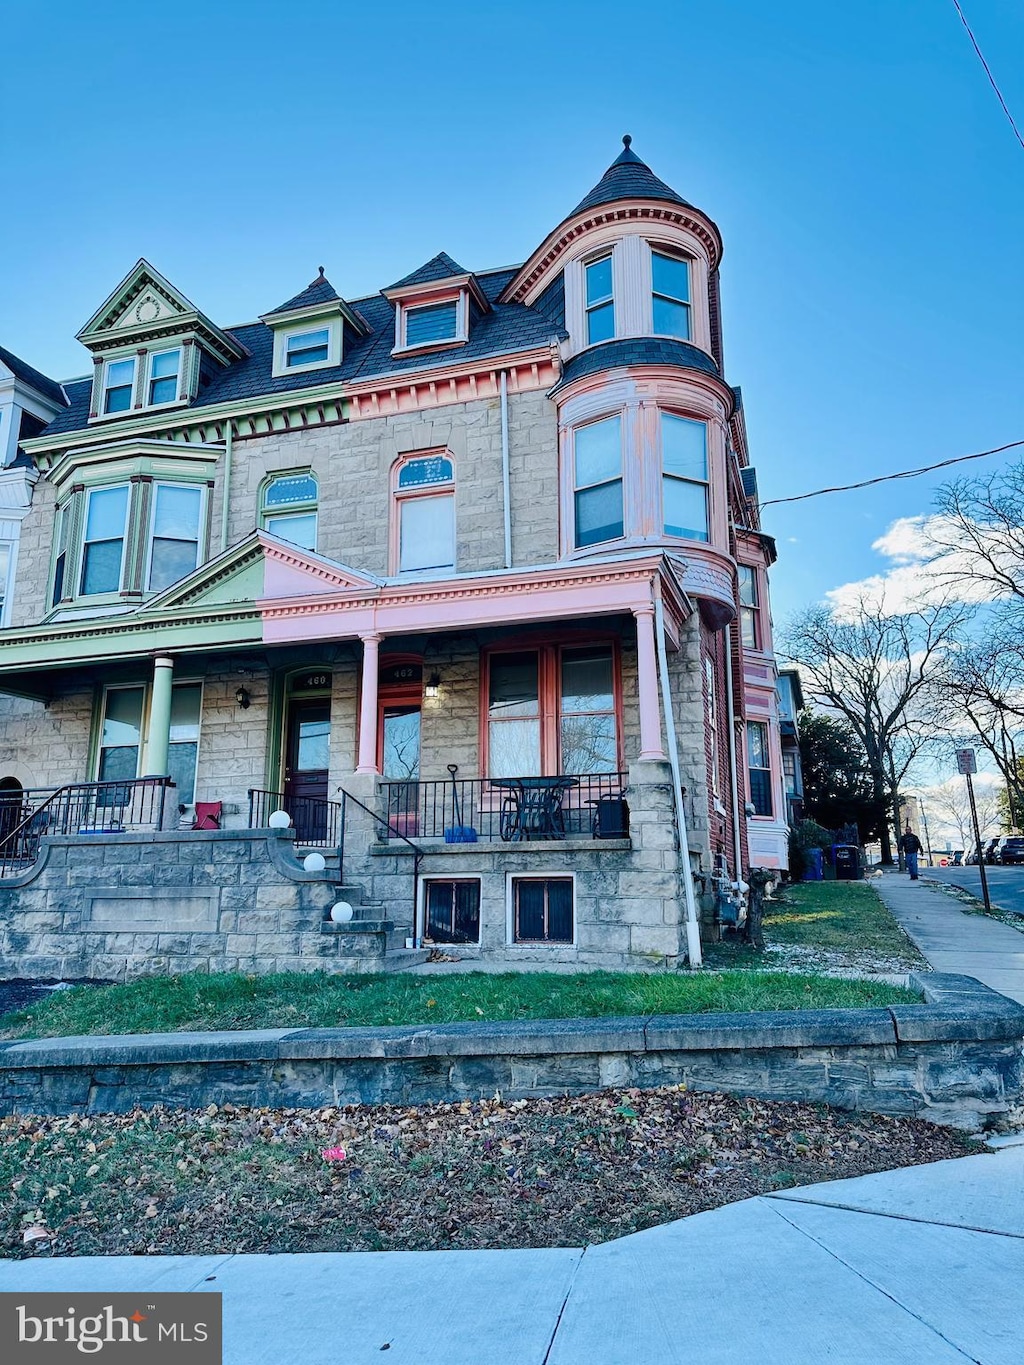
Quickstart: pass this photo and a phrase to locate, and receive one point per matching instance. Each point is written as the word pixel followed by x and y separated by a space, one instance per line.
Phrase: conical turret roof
pixel 628 178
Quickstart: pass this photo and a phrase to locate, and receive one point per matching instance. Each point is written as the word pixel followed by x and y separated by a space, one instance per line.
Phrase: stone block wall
pixel 115 906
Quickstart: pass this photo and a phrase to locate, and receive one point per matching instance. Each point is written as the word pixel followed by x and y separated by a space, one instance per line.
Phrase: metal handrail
pixel 418 853
pixel 316 808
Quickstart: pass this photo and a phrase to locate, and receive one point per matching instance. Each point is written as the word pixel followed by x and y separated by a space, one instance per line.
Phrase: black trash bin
pixel 611 818
pixel 846 860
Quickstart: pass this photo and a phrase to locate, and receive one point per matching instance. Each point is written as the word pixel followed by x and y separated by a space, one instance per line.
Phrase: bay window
pixel 552 710
pixel 164 373
pixel 759 767
pixel 174 545
pixel 118 384
pixel 597 482
pixel 600 300
pixel 670 280
pixel 684 482
pixel 424 516
pixel 750 624
pixel 103 550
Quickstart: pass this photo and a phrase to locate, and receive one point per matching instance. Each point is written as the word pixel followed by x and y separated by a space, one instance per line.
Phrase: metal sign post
pixel 967 763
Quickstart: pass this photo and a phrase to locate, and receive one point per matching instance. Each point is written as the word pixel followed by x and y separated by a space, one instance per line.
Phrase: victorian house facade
pixel 466 577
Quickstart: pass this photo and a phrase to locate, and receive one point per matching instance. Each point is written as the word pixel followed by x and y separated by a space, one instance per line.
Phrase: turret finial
pixel 626 141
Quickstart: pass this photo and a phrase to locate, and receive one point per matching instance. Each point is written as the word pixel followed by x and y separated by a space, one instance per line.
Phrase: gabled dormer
pixel 150 346
pixel 29 400
pixel 309 329
pixel 433 306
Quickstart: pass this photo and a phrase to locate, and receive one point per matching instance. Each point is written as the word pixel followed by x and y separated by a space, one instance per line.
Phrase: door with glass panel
pixel 400 761
pixel 307 759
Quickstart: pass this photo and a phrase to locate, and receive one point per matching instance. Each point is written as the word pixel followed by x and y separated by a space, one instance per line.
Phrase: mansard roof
pixel 35 379
pixel 503 329
pixel 439 267
pixel 320 291
pixel 627 178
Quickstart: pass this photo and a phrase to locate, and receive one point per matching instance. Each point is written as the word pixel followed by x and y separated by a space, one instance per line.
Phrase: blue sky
pixel 869 190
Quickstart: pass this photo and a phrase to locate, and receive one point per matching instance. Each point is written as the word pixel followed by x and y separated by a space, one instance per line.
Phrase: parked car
pixel 958 858
pixel 991 854
pixel 1011 849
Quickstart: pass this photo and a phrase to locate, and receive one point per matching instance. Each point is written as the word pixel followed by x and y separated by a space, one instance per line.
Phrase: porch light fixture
pixel 279 819
pixel 242 697
pixel 433 687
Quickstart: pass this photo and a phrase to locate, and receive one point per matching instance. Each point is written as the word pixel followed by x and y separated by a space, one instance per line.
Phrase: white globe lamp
pixel 341 912
pixel 314 862
pixel 279 819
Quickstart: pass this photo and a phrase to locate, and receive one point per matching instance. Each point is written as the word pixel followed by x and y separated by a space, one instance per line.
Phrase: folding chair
pixel 208 815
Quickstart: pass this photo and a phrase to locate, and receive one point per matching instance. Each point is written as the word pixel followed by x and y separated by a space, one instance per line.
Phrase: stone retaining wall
pixel 957 1060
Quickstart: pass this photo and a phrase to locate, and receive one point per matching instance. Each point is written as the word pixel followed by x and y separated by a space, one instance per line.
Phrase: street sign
pixel 966 761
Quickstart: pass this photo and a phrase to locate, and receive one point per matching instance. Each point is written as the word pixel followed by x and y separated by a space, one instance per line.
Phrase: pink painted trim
pixel 367 756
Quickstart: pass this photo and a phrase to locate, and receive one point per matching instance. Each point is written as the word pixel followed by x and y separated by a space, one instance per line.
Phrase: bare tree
pixel 977 538
pixel 950 805
pixel 877 671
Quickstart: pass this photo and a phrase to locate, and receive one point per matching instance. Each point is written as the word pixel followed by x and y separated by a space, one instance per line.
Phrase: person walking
pixel 912 847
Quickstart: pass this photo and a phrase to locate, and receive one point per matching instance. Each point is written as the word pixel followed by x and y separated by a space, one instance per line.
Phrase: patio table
pixel 533 807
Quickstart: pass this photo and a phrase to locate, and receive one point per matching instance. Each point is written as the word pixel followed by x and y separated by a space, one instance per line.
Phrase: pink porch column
pixel 368 706
pixel 647 684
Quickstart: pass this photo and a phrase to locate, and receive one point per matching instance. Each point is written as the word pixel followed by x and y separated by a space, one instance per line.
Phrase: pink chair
pixel 208 815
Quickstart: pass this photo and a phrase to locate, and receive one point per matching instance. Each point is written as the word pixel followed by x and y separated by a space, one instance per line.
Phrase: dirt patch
pixel 552 1172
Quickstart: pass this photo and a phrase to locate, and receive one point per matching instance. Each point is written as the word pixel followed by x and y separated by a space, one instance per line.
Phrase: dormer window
pixel 308 348
pixel 118 383
pixel 164 375
pixel 600 301
pixel 670 279
pixel 432 322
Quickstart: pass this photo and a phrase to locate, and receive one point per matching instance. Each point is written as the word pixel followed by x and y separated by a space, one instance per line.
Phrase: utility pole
pixel 967 763
pixel 927 836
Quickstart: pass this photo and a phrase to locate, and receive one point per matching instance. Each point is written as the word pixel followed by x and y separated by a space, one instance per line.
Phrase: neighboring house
pixel 478 521
pixel 791 703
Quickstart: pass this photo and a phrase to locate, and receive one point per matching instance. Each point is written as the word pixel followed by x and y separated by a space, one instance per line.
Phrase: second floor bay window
pixel 684 483
pixel 750 626
pixel 670 279
pixel 174 550
pixel 597 481
pixel 103 548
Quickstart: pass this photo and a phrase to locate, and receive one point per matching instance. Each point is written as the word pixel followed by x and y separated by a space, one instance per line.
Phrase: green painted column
pixel 158 733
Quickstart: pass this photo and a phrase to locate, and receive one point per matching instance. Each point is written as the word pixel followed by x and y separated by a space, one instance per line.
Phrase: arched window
pixel 424 521
pixel 288 508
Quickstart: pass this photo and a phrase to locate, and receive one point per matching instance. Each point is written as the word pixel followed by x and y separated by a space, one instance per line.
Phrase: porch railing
pixel 317 821
pixel 85 808
pixel 583 805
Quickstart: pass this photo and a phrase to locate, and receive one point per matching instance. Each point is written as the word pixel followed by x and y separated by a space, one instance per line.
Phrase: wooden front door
pixel 307 757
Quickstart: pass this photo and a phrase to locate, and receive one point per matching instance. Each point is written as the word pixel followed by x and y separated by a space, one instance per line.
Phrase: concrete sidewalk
pixel 921 1266
pixel 952 941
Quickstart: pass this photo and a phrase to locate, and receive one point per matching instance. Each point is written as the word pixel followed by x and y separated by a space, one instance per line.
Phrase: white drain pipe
pixel 734 786
pixel 693 949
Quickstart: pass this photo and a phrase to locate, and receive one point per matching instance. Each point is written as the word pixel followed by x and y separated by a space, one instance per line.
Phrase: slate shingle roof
pixel 507 327
pixel 627 178
pixel 28 374
pixel 439 267
pixel 320 291
pixel 636 351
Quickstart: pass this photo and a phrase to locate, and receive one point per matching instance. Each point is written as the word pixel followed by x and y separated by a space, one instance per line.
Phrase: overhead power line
pixel 888 478
pixel 988 73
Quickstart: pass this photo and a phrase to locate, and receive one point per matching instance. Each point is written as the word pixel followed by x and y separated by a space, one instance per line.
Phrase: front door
pixel 307 756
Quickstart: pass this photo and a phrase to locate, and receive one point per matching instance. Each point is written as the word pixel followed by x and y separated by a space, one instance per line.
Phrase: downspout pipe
pixel 225 507
pixel 734 786
pixel 693 948
pixel 506 479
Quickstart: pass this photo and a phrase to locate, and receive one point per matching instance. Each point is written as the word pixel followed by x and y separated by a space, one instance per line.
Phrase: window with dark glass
pixel 759 767
pixel 186 703
pixel 104 540
pixel 600 300
pixel 164 367
pixel 597 481
pixel 789 771
pixel 60 542
pixel 671 295
pixel 289 508
pixel 749 613
pixel 542 909
pixel 118 384
pixel 684 483
pixel 308 348
pixel 453 911
pixel 175 537
pixel 513 715
pixel 121 734
pixel 432 322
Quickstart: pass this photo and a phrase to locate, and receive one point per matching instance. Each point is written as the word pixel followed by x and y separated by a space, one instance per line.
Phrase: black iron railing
pixel 317 821
pixel 462 809
pixel 80 808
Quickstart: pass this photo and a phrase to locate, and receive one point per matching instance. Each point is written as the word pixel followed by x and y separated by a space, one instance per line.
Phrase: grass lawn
pixel 195 1001
pixel 543 1172
pixel 833 923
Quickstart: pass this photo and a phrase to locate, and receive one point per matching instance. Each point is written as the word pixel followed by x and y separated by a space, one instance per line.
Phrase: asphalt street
pixel 1005 884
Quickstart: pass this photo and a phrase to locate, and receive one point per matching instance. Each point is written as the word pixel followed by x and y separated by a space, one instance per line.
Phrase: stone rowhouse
pixel 467 576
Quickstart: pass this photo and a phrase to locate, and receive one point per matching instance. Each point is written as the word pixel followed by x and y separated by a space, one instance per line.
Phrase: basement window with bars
pixel 453 911
pixel 542 909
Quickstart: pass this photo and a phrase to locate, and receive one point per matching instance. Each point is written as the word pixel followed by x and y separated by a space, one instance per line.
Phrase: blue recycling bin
pixel 813 872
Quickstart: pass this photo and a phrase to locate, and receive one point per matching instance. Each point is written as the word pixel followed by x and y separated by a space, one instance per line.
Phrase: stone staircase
pixel 374 932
